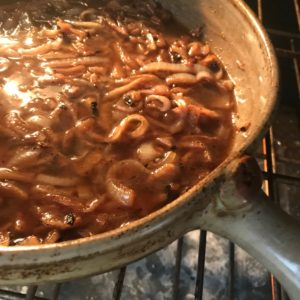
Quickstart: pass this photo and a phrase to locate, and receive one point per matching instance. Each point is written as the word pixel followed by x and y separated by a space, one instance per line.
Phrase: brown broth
pixel 109 110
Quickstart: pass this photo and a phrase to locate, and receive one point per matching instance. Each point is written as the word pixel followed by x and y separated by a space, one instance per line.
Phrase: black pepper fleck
pixel 62 106
pixel 198 32
pixel 69 219
pixel 214 66
pixel 171 193
pixel 175 57
pixel 128 100
pixel 94 108
pixel 66 38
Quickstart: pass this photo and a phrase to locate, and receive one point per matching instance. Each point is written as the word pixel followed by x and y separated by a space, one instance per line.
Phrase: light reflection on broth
pixel 11 88
pixel 109 110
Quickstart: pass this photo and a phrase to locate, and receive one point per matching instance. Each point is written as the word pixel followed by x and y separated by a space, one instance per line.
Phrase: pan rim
pixel 176 205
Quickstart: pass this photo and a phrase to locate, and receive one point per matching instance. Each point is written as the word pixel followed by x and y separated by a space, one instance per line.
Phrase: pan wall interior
pixel 248 63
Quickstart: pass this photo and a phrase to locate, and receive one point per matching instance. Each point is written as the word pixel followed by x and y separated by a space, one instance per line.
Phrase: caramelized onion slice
pixel 52 217
pixel 88 14
pixel 8 174
pixel 67 28
pixel 4 239
pixel 4 64
pixel 93 204
pixel 129 169
pixel 62 196
pixel 70 70
pixel 31 240
pixel 49 189
pixel 67 197
pixel 24 158
pixel 86 164
pixel 158 102
pixel 196 141
pixel 13 121
pixel 71 62
pixel 11 190
pixel 122 106
pixel 42 49
pixel 173 68
pixel 165 141
pixel 181 78
pixel 52 237
pixel 169 157
pixel 134 126
pixel 179 122
pixel 40 121
pixel 166 67
pixel 86 24
pixel 121 179
pixel 163 175
pixel 120 193
pixel 130 86
pixel 204 76
pixel 203 118
pixel 56 180
pixel 147 152
pixel 226 85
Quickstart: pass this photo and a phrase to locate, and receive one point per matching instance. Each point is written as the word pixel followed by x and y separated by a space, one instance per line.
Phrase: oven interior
pixel 201 265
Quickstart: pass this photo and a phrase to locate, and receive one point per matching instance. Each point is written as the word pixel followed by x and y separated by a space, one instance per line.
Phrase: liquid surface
pixel 109 110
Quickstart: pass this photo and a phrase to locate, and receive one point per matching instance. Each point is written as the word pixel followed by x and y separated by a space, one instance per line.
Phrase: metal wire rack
pixel 279 157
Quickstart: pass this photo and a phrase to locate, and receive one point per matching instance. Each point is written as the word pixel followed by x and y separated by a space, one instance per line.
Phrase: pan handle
pixel 246 216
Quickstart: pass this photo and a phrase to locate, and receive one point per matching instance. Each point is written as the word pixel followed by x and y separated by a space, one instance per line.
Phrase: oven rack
pixel 277 174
